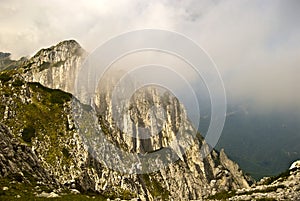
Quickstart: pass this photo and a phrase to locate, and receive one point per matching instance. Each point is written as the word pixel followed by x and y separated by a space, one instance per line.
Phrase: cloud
pixel 255 46
pixel 28 26
pixel 254 43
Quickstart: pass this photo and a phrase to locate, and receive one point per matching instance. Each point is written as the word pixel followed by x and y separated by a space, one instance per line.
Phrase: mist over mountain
pixel 254 44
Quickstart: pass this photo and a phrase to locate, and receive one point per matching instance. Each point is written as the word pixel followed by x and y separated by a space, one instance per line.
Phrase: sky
pixel 255 44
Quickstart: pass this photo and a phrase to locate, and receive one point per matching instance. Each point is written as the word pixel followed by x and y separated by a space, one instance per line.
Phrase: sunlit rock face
pixel 285 186
pixel 56 67
pixel 295 164
pixel 151 121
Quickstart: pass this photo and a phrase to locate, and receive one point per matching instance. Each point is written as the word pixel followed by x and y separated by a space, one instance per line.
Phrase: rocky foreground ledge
pixel 285 186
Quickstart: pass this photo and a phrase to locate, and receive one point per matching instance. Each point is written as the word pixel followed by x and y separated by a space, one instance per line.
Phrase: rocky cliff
pixel 55 67
pixel 285 186
pixel 38 113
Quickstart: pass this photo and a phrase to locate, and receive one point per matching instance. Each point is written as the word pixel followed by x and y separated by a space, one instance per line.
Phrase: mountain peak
pixel 66 47
pixel 69 43
pixel 55 66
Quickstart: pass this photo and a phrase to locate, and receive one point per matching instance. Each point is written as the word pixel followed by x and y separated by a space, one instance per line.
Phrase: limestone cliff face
pixel 55 67
pixel 42 119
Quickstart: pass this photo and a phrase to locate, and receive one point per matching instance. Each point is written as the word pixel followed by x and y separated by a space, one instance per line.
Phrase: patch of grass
pixel 282 175
pixel 15 176
pixel 18 83
pixel 5 77
pixel 155 187
pixel 55 95
pixel 66 153
pixel 36 86
pixel 28 133
pixel 60 97
pixel 119 193
pixel 17 186
pixel 41 118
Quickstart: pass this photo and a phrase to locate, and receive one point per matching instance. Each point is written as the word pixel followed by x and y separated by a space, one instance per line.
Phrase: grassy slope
pixel 44 116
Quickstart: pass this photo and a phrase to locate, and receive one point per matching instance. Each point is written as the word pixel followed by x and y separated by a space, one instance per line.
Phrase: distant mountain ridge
pixel 6 63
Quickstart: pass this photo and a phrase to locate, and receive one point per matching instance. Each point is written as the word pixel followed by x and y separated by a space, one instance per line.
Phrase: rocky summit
pixel 47 150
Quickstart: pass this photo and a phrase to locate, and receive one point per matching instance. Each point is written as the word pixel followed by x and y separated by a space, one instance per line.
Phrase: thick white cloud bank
pixel 255 44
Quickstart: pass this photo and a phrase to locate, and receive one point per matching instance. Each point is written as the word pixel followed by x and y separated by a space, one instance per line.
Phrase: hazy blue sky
pixel 255 44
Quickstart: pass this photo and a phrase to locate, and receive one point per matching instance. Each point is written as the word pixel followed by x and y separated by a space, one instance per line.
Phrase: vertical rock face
pixel 55 67
pixel 154 121
pixel 233 167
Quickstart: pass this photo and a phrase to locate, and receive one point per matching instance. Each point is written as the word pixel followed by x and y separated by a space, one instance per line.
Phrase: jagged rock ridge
pixel 285 186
